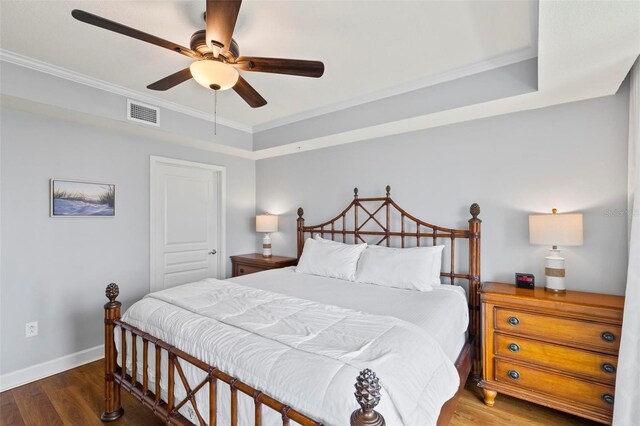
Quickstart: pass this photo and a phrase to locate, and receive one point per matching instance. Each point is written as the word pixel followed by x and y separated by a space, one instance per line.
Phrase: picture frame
pixel 76 198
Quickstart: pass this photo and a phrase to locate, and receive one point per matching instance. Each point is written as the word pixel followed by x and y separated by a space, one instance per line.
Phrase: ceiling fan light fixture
pixel 211 73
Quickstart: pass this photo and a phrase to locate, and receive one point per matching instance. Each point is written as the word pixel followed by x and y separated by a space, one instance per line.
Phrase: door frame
pixel 154 162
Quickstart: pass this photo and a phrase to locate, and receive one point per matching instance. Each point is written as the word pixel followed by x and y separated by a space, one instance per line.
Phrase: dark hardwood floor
pixel 75 398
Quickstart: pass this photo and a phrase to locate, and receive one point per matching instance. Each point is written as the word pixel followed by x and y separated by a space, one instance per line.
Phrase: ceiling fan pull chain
pixel 215 112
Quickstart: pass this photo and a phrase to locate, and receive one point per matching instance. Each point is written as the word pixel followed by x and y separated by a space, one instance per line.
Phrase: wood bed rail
pixel 363 211
pixel 367 384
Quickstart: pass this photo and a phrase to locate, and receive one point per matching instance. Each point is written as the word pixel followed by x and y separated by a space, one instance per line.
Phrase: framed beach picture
pixel 82 199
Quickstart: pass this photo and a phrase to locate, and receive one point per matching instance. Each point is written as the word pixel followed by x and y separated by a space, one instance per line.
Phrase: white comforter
pixel 303 353
pixel 443 312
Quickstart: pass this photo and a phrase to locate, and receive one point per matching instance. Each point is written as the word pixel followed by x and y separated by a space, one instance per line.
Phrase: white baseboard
pixel 49 368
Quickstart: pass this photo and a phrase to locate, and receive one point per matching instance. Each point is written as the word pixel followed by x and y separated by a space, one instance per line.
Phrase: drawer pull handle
pixel 514 321
pixel 608 368
pixel 608 336
pixel 513 347
pixel 515 375
pixel 242 270
pixel 608 398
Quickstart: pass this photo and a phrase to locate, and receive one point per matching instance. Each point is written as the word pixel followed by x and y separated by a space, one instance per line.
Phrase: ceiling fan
pixel 216 54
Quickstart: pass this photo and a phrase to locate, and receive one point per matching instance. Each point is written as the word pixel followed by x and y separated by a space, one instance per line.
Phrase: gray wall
pixel 55 270
pixel 572 157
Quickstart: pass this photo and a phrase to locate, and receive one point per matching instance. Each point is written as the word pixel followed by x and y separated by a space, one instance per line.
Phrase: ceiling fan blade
pixel 221 20
pixel 98 21
pixel 171 80
pixel 249 94
pixel 281 66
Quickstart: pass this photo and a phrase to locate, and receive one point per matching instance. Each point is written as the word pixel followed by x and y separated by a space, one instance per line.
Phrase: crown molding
pixel 431 80
pixel 37 65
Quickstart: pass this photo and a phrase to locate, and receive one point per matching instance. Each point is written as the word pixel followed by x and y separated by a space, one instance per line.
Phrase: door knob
pixel 213 251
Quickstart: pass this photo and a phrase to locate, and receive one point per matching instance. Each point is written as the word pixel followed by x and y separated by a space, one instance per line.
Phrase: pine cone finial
pixel 368 396
pixel 474 210
pixel 112 292
pixel 300 212
pixel 367 390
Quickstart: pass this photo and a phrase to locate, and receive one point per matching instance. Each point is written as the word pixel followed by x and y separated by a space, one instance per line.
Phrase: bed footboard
pixel 367 386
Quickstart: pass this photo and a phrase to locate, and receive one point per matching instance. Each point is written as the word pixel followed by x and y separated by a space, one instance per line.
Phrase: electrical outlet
pixel 31 329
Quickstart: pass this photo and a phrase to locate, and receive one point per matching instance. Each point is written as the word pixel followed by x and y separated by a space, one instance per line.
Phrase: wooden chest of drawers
pixel 558 350
pixel 244 264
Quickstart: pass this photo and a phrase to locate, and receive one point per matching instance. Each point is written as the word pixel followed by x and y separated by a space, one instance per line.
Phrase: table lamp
pixel 266 223
pixel 555 230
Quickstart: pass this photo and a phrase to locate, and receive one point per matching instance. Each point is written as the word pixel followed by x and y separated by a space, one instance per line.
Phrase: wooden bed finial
pixel 388 188
pixel 112 292
pixel 355 192
pixel 300 212
pixel 474 210
pixel 368 396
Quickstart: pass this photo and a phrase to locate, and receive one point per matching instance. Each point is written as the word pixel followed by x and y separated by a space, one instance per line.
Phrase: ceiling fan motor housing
pixel 199 44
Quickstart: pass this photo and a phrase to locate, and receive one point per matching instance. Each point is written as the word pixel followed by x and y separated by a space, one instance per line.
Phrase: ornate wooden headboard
pixel 359 222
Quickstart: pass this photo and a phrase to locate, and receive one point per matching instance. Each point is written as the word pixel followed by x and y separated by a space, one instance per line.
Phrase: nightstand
pixel 557 350
pixel 244 264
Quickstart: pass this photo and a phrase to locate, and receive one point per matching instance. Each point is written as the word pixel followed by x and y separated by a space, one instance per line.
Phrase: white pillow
pixel 335 260
pixel 416 268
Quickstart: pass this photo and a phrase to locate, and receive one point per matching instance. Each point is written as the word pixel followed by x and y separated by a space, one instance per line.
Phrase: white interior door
pixel 186 222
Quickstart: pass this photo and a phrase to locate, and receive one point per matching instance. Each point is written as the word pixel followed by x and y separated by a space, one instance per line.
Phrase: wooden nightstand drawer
pixel 603 337
pixel 563 387
pixel 248 269
pixel 565 359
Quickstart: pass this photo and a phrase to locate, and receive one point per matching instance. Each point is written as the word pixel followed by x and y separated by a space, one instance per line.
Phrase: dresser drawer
pixel 247 269
pixel 596 365
pixel 595 395
pixel 604 337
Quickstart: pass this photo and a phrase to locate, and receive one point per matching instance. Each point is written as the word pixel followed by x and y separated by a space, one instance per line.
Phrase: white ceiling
pixel 367 46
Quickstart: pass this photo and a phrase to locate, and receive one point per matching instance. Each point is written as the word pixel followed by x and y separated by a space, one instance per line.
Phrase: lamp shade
pixel 266 223
pixel 556 229
pixel 214 74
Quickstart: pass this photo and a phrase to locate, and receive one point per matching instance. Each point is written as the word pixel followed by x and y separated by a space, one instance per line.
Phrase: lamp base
pixel 266 246
pixel 554 272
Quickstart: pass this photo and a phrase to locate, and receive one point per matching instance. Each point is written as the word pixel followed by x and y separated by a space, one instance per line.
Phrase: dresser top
pixel 539 294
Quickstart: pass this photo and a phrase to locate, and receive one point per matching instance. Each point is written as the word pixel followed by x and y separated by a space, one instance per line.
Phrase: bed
pixel 281 347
